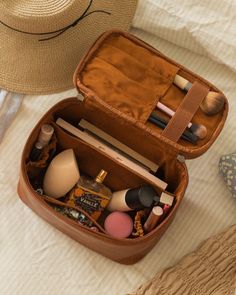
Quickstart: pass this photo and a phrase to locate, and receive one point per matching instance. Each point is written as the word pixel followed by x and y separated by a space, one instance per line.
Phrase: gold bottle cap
pixel 101 176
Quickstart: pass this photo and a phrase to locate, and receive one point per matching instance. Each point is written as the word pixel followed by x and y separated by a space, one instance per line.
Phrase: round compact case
pixel 122 79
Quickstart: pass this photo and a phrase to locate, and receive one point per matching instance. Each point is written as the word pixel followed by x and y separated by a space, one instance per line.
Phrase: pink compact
pixel 118 224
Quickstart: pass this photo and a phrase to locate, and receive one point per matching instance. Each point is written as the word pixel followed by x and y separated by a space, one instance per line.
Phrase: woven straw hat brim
pixel 31 66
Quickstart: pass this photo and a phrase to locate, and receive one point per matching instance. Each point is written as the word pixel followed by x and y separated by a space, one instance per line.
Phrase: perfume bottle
pixel 91 195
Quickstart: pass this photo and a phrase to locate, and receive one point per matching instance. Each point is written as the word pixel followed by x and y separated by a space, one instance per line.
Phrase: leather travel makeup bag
pixel 121 79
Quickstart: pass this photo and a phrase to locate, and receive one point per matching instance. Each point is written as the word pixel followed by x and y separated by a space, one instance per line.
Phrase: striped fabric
pixel 37 259
pixel 210 269
pixel 9 106
pixel 205 27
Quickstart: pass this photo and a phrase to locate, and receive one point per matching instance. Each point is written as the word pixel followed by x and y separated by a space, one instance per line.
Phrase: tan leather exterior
pixel 126 251
pixel 114 117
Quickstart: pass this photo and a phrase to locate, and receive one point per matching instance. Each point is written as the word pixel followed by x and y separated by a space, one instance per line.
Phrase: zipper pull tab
pixel 181 158
pixel 80 97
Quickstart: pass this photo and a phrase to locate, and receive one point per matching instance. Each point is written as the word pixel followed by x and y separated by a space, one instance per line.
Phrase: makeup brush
pixel 197 129
pixel 161 123
pixel 212 103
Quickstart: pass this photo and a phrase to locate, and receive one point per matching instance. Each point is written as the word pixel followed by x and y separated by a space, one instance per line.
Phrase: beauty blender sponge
pixel 118 224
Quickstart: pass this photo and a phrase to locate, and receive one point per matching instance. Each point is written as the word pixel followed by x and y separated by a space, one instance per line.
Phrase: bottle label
pixel 91 202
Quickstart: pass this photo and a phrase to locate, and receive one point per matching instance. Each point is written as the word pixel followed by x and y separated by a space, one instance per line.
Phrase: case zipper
pixel 181 158
pixel 80 97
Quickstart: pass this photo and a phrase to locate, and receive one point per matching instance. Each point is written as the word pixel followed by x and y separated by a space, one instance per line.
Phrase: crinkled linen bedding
pixel 35 258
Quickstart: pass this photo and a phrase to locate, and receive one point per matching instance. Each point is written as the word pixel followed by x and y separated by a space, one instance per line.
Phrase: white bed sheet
pixel 37 259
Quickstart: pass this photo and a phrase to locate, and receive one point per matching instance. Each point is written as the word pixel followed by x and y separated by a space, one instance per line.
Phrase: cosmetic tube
pixel 45 134
pixel 133 199
pixel 153 218
pixel 36 152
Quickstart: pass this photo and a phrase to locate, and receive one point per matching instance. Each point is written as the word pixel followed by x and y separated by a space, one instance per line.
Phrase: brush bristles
pixel 199 130
pixel 213 103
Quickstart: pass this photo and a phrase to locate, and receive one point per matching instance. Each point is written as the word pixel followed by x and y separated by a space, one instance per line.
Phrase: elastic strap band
pixel 185 112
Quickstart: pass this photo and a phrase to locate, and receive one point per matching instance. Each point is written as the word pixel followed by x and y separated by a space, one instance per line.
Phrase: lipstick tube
pixel 45 134
pixel 153 218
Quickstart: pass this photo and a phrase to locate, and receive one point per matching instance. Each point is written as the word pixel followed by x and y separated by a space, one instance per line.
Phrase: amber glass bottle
pixel 91 194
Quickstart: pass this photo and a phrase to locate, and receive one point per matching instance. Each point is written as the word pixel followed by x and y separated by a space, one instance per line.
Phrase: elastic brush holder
pixel 213 102
pixel 197 129
pixel 162 123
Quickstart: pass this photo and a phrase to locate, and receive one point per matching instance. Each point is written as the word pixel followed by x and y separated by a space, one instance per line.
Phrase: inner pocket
pixel 90 162
pixel 119 91
pixel 130 84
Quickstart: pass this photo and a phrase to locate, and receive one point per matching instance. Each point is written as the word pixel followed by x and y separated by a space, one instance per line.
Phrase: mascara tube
pixel 36 152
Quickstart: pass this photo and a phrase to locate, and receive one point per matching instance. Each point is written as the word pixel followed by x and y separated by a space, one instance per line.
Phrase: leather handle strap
pixel 185 112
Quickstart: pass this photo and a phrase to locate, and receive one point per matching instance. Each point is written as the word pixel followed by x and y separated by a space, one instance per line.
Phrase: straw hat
pixel 41 42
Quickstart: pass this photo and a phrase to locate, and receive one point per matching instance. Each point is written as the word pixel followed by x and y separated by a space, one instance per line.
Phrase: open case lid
pixel 123 75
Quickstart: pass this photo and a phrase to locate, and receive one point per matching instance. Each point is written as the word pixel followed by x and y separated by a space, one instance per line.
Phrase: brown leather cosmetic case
pixel 121 79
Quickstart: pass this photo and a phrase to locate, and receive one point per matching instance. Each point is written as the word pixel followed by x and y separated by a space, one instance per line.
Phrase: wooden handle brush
pixel 213 102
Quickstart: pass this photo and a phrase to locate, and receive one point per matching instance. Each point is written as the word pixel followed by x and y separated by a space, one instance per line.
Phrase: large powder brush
pixel 213 102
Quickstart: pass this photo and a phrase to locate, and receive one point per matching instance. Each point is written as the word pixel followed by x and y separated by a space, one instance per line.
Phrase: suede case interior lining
pixel 132 79
pixel 147 146
pixel 91 160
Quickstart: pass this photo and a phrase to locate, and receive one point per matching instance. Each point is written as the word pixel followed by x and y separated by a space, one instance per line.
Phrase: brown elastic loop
pixel 185 112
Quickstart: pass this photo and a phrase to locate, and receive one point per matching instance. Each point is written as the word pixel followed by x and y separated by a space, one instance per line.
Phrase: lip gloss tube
pixel 153 218
pixel 166 209
pixel 45 134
